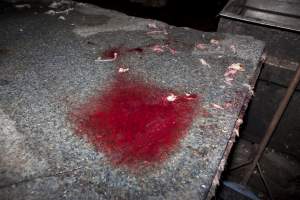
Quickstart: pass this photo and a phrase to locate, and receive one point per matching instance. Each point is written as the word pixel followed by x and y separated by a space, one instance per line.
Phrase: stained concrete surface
pixel 47 64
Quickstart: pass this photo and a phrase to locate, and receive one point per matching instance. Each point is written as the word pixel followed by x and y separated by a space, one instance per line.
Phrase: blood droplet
pixel 133 123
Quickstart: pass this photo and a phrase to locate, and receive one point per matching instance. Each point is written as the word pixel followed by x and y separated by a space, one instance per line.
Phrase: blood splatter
pixel 134 123
pixel 110 53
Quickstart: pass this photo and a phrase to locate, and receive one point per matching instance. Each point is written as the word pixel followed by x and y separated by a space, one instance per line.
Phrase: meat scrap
pixel 100 59
pixel 237 66
pixel 61 17
pixel 157 48
pixel 156 30
pixel 231 72
pixel 214 41
pixel 171 97
pixel 217 106
pixel 123 70
pixel 203 62
pixel 50 12
pixel 161 48
pixel 153 26
pixel 237 126
pixel 201 46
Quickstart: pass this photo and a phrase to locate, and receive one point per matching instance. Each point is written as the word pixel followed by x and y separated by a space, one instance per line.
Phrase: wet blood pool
pixel 133 122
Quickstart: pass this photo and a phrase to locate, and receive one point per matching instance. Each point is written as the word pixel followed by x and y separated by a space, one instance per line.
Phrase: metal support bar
pixel 244 164
pixel 280 110
pixel 264 181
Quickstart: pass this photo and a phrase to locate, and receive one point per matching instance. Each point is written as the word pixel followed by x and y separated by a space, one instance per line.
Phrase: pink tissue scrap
pixel 216 106
pixel 153 26
pixel 201 46
pixel 232 71
pixel 123 70
pixel 157 48
pixel 214 41
pixel 155 29
pixel 161 48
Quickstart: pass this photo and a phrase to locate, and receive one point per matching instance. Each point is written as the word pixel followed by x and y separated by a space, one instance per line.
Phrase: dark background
pixel 201 14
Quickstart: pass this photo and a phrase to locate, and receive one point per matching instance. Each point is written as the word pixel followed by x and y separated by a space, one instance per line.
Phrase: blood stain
pixel 138 49
pixel 133 123
pixel 110 53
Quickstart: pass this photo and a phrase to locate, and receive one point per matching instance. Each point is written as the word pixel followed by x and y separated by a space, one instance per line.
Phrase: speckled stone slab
pixel 47 66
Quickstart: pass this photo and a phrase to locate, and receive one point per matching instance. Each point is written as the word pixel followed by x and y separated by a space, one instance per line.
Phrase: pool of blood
pixel 134 123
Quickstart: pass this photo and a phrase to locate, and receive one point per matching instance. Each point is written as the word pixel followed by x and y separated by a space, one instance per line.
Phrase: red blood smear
pixel 133 123
pixel 138 49
pixel 109 53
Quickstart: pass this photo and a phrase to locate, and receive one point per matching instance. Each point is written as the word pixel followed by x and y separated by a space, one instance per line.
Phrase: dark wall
pixel 270 89
pixel 198 14
pixel 201 14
